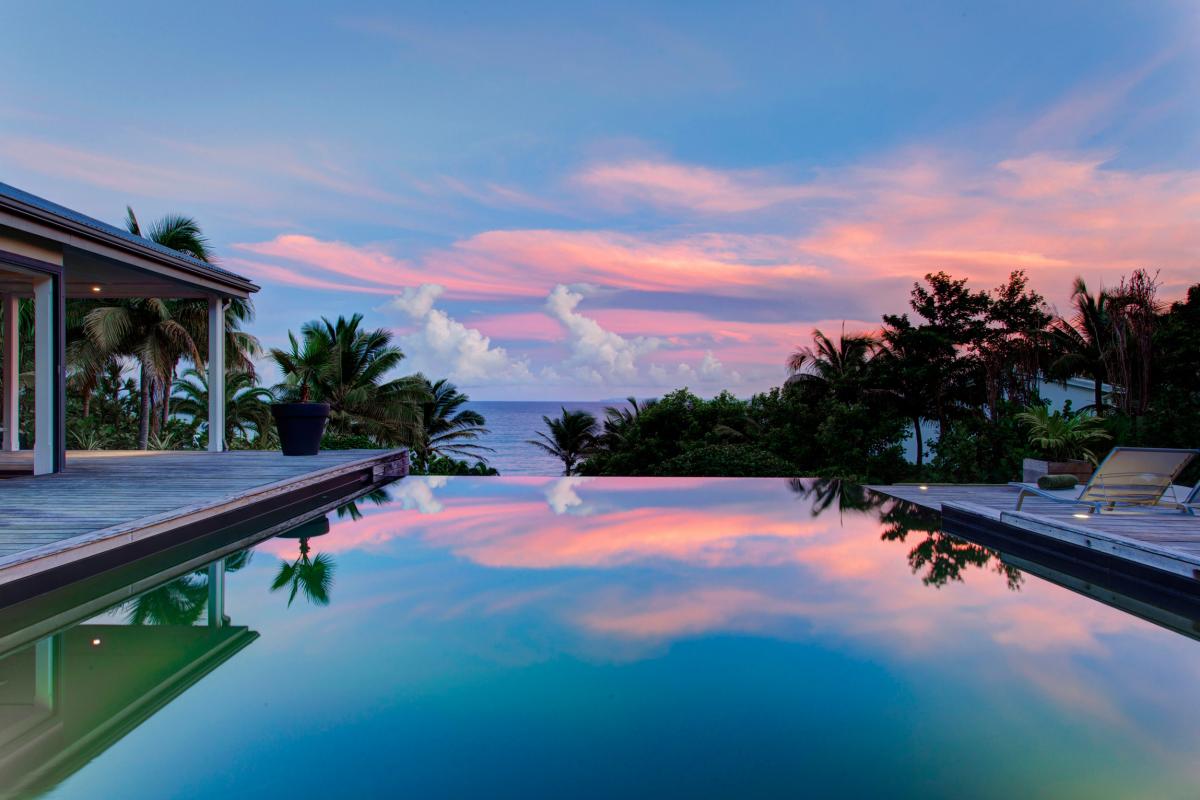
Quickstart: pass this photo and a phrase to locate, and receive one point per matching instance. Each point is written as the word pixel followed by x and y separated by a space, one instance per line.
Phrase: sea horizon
pixel 511 423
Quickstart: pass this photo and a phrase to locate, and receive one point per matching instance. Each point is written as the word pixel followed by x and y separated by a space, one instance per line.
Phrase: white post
pixel 216 593
pixel 12 373
pixel 46 655
pixel 216 374
pixel 45 381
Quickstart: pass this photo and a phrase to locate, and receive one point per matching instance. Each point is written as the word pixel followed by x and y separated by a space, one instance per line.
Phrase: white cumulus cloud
pixel 597 355
pixel 416 492
pixel 441 346
pixel 562 497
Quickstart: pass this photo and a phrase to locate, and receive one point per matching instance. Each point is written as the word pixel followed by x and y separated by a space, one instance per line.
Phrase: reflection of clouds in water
pixel 417 492
pixel 711 561
pixel 562 496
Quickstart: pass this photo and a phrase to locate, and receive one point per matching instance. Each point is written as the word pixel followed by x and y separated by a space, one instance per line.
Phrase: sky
pixel 584 201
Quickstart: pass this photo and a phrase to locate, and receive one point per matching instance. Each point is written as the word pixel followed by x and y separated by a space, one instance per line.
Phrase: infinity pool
pixel 607 638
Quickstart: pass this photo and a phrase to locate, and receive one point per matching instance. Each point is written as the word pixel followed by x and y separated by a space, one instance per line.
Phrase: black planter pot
pixel 300 427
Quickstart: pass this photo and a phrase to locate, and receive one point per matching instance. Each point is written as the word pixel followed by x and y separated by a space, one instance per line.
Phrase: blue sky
pixel 582 201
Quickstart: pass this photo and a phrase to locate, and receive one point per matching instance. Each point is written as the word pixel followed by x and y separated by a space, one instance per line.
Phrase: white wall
pixel 1080 391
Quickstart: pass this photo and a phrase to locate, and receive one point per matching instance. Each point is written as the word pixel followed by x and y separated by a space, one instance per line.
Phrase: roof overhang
pixel 95 256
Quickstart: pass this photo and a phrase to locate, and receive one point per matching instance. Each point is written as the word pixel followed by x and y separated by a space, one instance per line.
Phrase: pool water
pixel 575 637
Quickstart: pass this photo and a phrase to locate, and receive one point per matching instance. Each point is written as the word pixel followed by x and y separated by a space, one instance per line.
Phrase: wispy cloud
pixel 674 186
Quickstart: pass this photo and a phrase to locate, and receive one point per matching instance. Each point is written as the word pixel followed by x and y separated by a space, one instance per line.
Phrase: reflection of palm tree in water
pixel 943 557
pixel 181 601
pixel 313 576
pixel 825 492
pixel 376 497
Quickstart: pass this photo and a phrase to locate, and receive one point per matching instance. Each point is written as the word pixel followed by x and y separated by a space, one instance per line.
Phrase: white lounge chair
pixel 1135 477
pixel 1191 503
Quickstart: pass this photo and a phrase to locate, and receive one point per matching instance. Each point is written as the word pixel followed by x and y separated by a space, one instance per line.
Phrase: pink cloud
pixel 1051 214
pixel 670 185
pixel 531 262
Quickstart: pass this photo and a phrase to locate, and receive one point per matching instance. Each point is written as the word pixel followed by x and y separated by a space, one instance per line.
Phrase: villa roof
pixel 20 201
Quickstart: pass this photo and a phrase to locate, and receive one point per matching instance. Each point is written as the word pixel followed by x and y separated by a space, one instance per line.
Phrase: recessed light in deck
pixel 95 642
pixel 1082 516
pixel 95 288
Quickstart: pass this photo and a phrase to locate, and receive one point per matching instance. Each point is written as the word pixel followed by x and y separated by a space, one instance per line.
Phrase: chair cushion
pixel 1057 482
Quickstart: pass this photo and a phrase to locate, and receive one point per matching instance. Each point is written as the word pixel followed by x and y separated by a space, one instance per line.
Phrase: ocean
pixel 513 423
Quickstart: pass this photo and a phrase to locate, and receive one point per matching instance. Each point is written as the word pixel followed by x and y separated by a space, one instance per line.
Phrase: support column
pixel 216 374
pixel 49 388
pixel 11 356
pixel 216 594
pixel 46 658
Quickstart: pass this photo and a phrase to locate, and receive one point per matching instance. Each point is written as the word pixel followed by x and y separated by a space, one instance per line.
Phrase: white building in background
pixel 1079 391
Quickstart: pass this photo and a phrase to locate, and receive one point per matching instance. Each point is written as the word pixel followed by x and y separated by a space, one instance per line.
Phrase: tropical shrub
pixel 1064 436
pixel 976 449
pixel 727 460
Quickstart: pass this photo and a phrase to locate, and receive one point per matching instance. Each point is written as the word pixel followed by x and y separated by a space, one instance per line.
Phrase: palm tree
pixel 302 365
pixel 147 330
pixel 571 438
pixel 155 332
pixel 174 231
pixel 1083 341
pixel 906 366
pixel 448 429
pixel 618 422
pixel 313 576
pixel 345 366
pixel 1064 436
pixel 829 365
pixel 247 405
pixel 183 233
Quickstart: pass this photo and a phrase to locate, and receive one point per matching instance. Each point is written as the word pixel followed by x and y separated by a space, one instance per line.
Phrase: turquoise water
pixel 617 638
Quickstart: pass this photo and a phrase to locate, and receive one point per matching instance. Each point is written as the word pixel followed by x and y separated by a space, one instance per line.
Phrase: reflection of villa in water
pixel 70 696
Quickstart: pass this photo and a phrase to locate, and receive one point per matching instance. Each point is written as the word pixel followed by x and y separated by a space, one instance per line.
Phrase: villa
pixel 67 512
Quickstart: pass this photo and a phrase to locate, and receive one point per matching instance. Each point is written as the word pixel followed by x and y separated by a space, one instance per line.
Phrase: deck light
pixel 924 488
pixel 95 642
pixel 1082 516
pixel 95 288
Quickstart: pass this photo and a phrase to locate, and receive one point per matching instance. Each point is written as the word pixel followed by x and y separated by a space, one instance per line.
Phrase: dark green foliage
pixel 801 429
pixel 939 557
pixel 448 429
pixel 570 438
pixel 727 460
pixel 310 575
pixel 345 365
pixel 975 449
pixel 347 441
pixel 444 465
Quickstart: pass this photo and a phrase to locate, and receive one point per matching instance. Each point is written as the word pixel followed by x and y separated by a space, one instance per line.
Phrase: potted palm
pixel 1064 441
pixel 299 420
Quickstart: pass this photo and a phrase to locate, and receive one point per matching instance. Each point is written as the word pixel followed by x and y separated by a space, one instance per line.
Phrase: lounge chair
pixel 1136 477
pixel 1191 503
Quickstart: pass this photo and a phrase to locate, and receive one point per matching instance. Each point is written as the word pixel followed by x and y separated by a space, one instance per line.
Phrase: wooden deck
pixel 1163 540
pixel 105 501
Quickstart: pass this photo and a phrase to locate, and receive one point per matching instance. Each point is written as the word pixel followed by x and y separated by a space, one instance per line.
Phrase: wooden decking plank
pixel 1162 539
pixel 132 494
